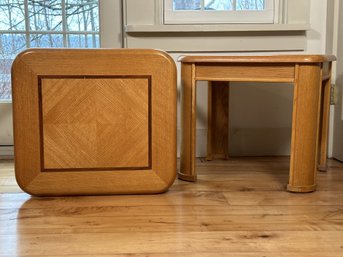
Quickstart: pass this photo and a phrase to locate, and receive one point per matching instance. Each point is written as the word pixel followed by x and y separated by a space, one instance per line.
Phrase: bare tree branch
pixel 43 16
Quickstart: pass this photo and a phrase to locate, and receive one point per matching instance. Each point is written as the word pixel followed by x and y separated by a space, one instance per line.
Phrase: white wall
pixel 261 113
pixel 144 28
pixel 111 37
pixel 320 40
pixel 260 117
pixel 338 75
pixel 6 129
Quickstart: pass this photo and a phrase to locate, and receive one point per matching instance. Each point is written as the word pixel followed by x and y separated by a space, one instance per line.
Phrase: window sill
pixel 218 38
pixel 216 28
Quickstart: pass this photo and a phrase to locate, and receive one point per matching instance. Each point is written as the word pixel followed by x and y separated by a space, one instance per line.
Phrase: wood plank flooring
pixel 237 208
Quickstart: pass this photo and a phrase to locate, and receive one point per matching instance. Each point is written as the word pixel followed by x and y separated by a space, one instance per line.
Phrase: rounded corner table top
pixel 310 74
pixel 94 121
pixel 258 59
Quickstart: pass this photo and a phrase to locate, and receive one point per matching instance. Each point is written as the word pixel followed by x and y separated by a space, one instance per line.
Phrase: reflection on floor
pixel 236 208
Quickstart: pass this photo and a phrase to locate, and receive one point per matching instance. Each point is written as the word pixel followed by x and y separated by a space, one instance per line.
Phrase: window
pixel 218 11
pixel 44 23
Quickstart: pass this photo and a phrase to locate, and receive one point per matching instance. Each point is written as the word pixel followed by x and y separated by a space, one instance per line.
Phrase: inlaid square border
pixel 34 63
pixel 41 125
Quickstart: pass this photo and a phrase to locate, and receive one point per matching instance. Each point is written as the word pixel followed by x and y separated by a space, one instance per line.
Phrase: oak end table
pixel 94 121
pixel 311 76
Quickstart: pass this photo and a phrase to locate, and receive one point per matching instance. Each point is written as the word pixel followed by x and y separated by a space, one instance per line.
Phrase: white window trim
pixel 110 15
pixel 268 15
pixel 110 37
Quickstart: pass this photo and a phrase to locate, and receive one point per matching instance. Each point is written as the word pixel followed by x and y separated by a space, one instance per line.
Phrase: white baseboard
pixel 259 141
pixel 201 142
pixel 6 124
pixel 242 142
pixel 6 152
pixel 248 142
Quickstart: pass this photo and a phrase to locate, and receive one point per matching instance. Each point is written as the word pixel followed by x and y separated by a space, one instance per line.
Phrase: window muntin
pixel 218 11
pixel 44 23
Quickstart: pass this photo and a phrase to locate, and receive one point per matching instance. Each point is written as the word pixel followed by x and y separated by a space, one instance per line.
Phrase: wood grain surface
pixel 310 106
pixel 258 59
pixel 103 120
pixel 218 120
pixel 324 117
pixel 89 121
pixel 253 72
pixel 237 207
pixel 305 128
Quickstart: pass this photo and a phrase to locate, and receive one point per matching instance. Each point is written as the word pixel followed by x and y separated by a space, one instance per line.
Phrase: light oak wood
pixel 259 59
pixel 223 214
pixel 218 120
pixel 245 72
pixel 310 110
pixel 324 118
pixel 86 122
pixel 188 123
pixel 94 121
pixel 305 128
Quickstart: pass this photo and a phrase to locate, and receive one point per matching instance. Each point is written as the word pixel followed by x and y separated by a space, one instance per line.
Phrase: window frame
pixel 60 38
pixel 110 32
pixel 267 16
pixel 64 32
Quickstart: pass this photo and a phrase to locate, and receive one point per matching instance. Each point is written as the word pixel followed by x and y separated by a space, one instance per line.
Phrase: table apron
pixel 245 72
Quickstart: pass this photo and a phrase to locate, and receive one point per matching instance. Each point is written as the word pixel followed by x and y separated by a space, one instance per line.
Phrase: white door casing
pixel 338 114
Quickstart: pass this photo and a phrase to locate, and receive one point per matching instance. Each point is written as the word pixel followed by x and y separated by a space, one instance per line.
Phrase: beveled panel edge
pixel 165 105
pixel 148 77
pixel 111 183
pixel 22 76
pixel 258 59
pixel 35 59
pixel 32 55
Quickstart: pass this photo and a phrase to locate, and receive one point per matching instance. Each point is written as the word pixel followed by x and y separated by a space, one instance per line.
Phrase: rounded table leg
pixel 188 123
pixel 218 120
pixel 305 124
pixel 324 126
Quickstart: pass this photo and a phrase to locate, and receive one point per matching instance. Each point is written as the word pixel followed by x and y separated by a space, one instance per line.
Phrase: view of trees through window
pixel 44 23
pixel 218 5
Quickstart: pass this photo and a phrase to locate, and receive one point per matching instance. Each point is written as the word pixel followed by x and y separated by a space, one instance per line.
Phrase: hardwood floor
pixel 237 208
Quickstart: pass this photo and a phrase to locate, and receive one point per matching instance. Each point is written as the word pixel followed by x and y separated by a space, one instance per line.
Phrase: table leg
pixel 188 123
pixel 324 126
pixel 218 120
pixel 307 88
